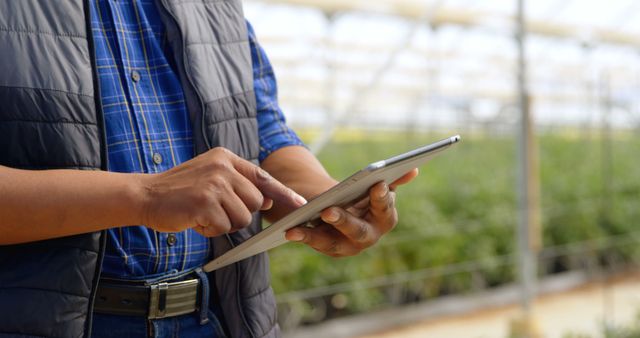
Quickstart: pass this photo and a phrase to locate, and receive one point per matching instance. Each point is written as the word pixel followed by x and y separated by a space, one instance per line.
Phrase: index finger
pixel 268 186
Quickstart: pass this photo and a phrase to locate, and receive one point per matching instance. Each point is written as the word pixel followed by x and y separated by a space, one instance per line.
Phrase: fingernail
pixel 267 205
pixel 299 199
pixel 385 190
pixel 296 236
pixel 332 216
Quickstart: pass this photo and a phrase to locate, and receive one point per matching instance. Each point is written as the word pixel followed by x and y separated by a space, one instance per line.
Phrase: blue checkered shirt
pixel 148 128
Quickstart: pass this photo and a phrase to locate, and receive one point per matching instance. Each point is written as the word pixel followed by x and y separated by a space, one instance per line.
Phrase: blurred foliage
pixel 462 208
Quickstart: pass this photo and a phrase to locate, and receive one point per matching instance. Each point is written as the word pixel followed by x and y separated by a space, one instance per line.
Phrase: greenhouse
pixel 540 199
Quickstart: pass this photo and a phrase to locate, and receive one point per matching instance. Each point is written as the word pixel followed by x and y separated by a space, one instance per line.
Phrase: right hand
pixel 214 193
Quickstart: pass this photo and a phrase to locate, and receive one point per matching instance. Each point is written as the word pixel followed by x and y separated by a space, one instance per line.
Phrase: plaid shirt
pixel 148 128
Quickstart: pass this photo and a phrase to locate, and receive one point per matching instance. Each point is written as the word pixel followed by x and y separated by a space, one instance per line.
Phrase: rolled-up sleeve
pixel 272 125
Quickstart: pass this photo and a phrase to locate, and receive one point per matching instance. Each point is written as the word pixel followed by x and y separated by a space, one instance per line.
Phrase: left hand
pixel 346 232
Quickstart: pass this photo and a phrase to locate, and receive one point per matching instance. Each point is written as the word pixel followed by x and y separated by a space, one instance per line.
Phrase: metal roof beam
pixel 414 10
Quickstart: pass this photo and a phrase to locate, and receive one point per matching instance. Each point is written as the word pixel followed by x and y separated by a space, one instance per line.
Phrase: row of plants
pixel 463 208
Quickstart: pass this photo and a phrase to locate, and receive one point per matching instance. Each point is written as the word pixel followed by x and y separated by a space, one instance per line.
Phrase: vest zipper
pixel 104 159
pixel 165 7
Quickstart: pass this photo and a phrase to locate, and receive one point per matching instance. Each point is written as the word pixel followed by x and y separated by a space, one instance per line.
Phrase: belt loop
pixel 204 302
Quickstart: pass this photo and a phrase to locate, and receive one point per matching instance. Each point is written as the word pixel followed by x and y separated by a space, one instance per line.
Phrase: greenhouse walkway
pixel 582 310
pixel 570 304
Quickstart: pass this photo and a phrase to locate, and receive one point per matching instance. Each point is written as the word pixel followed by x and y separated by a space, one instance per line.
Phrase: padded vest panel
pixel 49 119
pixel 47 104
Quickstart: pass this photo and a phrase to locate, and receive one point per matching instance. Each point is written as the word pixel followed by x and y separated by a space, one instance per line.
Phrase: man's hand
pixel 348 232
pixel 214 193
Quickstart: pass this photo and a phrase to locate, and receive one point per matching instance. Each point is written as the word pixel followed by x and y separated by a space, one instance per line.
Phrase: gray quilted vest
pixel 50 117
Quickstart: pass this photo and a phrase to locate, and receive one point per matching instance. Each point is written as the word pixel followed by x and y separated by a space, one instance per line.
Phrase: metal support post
pixel 528 234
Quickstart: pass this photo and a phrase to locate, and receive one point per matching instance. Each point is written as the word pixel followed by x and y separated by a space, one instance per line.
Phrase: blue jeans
pixel 185 326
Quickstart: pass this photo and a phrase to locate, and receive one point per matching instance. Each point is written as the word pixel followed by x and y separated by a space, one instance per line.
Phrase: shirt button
pixel 157 158
pixel 171 239
pixel 135 76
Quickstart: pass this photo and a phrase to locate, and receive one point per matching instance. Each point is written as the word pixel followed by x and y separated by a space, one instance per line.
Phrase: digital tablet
pixel 343 194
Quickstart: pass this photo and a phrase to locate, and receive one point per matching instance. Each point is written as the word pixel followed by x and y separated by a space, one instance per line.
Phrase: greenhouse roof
pixel 447 62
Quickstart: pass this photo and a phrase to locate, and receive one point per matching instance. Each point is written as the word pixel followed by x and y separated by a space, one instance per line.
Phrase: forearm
pixel 297 168
pixel 37 205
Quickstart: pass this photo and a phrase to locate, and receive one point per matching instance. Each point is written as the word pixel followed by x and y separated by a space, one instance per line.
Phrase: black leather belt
pixel 158 300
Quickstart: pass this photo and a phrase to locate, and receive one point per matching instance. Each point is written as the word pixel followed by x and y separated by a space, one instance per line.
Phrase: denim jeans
pixel 185 326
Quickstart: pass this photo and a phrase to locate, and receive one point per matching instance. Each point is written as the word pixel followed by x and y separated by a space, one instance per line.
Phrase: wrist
pixel 138 192
pixel 322 184
pixel 312 186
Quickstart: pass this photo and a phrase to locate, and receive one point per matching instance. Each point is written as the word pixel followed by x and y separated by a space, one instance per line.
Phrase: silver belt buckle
pixel 173 299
